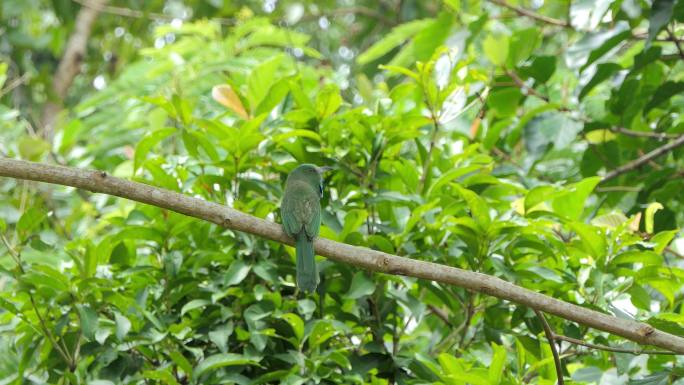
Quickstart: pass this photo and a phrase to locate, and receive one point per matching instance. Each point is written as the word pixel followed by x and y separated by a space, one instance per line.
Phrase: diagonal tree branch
pixel 552 343
pixel 70 65
pixel 101 182
pixel 629 166
pixel 532 15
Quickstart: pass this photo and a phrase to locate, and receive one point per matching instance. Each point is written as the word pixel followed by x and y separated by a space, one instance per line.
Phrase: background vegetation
pixel 536 141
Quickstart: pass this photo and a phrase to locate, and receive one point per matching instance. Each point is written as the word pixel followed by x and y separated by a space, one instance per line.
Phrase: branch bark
pixel 101 182
pixel 70 65
pixel 662 150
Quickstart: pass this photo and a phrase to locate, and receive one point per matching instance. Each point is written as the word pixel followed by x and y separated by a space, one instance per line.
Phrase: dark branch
pixel 552 343
pixel 662 150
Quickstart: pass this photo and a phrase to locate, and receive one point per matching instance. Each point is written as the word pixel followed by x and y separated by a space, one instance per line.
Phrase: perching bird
pixel 301 212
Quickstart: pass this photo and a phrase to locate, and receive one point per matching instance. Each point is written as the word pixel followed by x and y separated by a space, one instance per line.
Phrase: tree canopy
pixel 537 142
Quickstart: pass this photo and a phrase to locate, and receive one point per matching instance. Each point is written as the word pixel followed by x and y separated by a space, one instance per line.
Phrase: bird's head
pixel 310 173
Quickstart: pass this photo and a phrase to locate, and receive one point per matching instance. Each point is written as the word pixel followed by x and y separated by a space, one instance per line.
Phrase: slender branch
pixel 134 13
pixel 643 134
pixel 609 348
pixel 532 15
pixel 618 189
pixel 521 84
pixel 441 314
pixel 14 84
pixel 373 260
pixel 69 66
pixel 673 252
pixel 552 343
pixel 662 150
pixel 677 42
pixel 358 10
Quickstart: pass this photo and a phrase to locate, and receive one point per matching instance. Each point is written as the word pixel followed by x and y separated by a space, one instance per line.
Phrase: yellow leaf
pixel 225 95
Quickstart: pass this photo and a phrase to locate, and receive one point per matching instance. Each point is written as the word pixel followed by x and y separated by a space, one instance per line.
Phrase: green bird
pixel 301 212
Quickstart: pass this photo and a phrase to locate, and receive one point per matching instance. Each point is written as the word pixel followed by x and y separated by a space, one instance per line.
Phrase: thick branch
pixel 662 150
pixel 101 182
pixel 70 64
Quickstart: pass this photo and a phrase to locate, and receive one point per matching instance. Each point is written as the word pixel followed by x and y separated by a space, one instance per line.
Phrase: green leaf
pixel 220 360
pixel 497 365
pixel 219 336
pixel 603 72
pixel 592 238
pixel 477 205
pixel 496 49
pixel 89 321
pixel 522 44
pixel 237 272
pixel 31 219
pixel 32 148
pixel 181 361
pixel 640 297
pixel 649 214
pixel 194 304
pixel 607 45
pixel 661 13
pixel 634 256
pixel 321 332
pixel 600 136
pixel 162 375
pixel 504 102
pixel 328 101
pixel 148 142
pixel 538 195
pixel 662 239
pixel 352 221
pixel 123 326
pixel 667 326
pixel 296 323
pixel 549 128
pixel 541 68
pixel 260 81
pixel 664 93
pixel 571 205
pixel 426 41
pixel 360 286
pixel 395 37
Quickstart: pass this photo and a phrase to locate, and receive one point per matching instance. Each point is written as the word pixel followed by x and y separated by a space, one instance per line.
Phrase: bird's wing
pixel 291 223
pixel 314 224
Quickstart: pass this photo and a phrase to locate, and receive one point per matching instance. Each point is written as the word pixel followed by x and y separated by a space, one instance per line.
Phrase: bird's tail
pixel 307 275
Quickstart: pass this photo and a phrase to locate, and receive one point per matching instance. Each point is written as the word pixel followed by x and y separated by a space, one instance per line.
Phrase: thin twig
pixel 676 41
pixel 618 189
pixel 441 314
pixel 662 150
pixel 134 13
pixel 358 10
pixel 532 15
pixel 644 134
pixel 673 252
pixel 610 348
pixel 552 343
pixel 14 84
pixel 523 87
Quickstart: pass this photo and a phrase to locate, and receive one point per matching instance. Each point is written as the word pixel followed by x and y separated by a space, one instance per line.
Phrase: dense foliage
pixel 464 133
